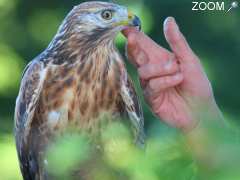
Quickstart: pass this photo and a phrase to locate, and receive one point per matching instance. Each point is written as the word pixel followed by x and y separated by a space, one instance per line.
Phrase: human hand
pixel 175 84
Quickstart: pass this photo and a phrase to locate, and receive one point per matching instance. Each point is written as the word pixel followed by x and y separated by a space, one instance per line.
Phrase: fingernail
pixel 166 24
pixel 168 19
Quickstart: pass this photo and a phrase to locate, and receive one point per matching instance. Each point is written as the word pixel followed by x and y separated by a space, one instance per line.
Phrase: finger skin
pixel 137 56
pixel 129 30
pixel 163 83
pixel 139 43
pixel 149 71
pixel 172 93
pixel 141 58
pixel 177 41
pixel 157 85
pixel 142 40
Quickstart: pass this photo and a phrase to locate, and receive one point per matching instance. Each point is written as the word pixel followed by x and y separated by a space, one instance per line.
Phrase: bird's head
pixel 96 20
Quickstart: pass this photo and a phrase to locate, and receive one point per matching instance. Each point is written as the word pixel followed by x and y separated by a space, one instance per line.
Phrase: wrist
pixel 204 113
pixel 202 139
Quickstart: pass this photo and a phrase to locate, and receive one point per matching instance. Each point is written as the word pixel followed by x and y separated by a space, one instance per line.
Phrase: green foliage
pixel 208 153
pixel 66 153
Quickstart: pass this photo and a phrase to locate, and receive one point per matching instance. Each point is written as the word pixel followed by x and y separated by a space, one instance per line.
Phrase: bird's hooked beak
pixel 133 20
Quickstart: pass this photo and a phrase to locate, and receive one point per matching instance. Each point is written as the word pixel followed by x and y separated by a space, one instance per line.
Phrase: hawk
pixel 79 76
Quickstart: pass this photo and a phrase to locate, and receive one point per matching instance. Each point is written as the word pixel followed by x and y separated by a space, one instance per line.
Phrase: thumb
pixel 177 41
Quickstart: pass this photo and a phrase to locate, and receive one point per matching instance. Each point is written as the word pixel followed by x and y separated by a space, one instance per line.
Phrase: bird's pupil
pixel 107 15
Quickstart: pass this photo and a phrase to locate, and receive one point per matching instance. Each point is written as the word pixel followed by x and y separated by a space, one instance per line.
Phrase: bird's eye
pixel 107 14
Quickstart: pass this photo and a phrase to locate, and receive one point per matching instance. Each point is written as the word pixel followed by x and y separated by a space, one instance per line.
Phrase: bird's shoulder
pixel 31 85
pixel 30 88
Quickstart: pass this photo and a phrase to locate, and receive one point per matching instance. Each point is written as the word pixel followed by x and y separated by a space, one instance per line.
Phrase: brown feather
pixel 79 77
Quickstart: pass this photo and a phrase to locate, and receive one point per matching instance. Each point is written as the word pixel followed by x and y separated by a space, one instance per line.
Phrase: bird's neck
pixel 95 59
pixel 103 65
pixel 69 47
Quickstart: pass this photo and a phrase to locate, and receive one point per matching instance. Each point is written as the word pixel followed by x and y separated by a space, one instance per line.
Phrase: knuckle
pixel 174 67
pixel 153 85
pixel 142 58
pixel 154 70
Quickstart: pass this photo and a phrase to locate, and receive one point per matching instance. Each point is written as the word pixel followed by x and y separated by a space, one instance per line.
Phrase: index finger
pixel 139 43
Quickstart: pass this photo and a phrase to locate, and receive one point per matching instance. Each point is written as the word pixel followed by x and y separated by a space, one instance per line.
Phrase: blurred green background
pixel 27 26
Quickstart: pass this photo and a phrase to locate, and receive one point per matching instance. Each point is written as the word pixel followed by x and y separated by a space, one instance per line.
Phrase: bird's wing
pixel 26 103
pixel 134 109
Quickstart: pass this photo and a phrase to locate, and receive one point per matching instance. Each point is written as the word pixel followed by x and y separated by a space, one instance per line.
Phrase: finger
pixel 129 30
pixel 131 35
pixel 137 56
pixel 176 40
pixel 134 53
pixel 130 50
pixel 150 71
pixel 159 84
pixel 138 41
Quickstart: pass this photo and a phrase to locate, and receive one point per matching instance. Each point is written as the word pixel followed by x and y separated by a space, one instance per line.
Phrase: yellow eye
pixel 107 14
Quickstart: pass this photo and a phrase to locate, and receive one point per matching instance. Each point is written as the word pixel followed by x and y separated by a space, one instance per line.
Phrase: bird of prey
pixel 79 76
